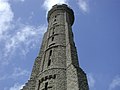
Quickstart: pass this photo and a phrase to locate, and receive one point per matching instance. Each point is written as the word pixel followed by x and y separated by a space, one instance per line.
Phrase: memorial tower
pixel 57 67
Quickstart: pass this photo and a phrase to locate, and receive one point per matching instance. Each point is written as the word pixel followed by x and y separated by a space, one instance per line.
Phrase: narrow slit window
pixel 52 38
pixel 39 85
pixel 54 20
pixel 54 76
pixel 50 53
pixel 49 62
pixel 53 32
pixel 46 86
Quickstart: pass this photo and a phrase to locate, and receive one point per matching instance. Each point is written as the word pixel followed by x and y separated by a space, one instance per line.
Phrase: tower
pixel 57 67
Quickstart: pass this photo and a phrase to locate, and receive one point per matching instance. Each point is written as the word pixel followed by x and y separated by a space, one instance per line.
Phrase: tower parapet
pixel 56 9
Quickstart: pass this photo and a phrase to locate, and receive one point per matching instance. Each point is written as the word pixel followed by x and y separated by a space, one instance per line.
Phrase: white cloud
pixel 115 83
pixel 49 3
pixel 22 0
pixel 2 78
pixel 24 39
pixel 25 35
pixel 6 17
pixel 91 80
pixel 83 5
pixel 18 72
pixel 15 35
pixel 16 87
pixel 18 0
pixel 31 16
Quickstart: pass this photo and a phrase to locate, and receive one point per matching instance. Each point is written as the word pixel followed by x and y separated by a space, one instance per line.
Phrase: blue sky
pixel 96 33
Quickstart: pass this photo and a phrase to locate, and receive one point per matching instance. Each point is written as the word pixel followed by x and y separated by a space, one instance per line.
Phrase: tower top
pixel 62 8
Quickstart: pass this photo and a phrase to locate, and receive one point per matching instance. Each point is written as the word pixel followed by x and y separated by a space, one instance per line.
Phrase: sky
pixel 96 34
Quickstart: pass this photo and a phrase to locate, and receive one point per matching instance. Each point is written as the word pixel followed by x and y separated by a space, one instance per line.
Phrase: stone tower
pixel 57 67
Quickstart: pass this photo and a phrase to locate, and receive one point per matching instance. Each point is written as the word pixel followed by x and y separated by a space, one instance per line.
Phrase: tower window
pixel 50 53
pixel 53 31
pixel 49 62
pixel 54 76
pixel 39 85
pixel 47 87
pixel 54 20
pixel 52 38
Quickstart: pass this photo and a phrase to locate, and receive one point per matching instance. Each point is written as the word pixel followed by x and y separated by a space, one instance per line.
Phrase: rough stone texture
pixel 56 67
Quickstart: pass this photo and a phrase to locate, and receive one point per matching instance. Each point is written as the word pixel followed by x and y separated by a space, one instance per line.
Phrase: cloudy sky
pixel 96 33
